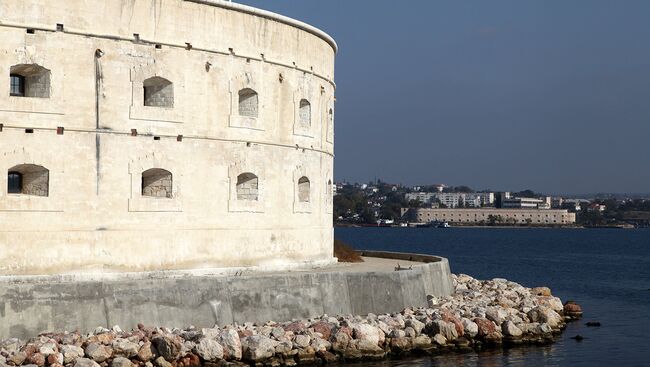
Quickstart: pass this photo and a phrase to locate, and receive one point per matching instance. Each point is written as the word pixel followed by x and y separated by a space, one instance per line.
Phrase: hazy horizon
pixel 552 96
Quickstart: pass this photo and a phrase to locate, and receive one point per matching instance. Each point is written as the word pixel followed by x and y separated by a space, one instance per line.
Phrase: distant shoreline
pixel 496 227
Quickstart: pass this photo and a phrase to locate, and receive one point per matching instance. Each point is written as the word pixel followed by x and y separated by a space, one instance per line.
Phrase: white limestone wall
pixel 95 218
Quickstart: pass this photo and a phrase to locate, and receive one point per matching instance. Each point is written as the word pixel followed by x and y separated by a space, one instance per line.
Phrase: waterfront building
pixel 490 215
pixel 156 135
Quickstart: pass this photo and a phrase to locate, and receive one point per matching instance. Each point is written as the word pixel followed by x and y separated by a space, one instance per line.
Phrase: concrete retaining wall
pixel 29 305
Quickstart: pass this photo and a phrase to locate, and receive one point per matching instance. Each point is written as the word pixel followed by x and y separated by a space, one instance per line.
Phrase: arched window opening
pixel 29 80
pixel 158 92
pixel 248 103
pixel 247 187
pixel 157 183
pixel 305 112
pixel 28 179
pixel 303 189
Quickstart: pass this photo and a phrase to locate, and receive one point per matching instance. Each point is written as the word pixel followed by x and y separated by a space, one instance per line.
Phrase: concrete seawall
pixel 29 305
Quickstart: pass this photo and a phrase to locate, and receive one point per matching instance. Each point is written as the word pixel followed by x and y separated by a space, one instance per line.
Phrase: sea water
pixel 606 271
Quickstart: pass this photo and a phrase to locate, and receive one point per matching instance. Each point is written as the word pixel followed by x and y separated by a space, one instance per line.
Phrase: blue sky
pixel 549 95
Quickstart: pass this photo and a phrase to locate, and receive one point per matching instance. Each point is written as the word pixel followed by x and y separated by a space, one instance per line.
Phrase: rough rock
pixel 551 302
pixel 470 327
pixel 439 339
pixel 324 328
pixel 508 328
pixel 341 341
pixel 297 327
pixel 446 329
pixel 401 344
pixel 545 315
pixel 121 362
pixel 541 291
pixel 18 358
pixel 168 347
pixel 48 348
pixel 209 350
pixel 124 348
pixel 145 353
pixel 320 345
pixel 257 348
pixel 301 341
pixel 55 358
pixel 486 328
pixel 368 333
pixel 422 342
pixel 71 353
pixel 85 362
pixel 417 326
pixel 98 352
pixel 161 362
pixel 496 314
pixel 572 309
pixel 231 343
pixel 37 359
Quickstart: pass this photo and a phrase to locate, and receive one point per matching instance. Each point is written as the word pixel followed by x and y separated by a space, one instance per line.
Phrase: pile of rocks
pixel 478 314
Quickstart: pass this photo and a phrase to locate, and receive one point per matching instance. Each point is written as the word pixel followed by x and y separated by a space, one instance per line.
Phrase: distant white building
pixel 485 198
pixel 424 197
pixel 521 203
pixel 454 199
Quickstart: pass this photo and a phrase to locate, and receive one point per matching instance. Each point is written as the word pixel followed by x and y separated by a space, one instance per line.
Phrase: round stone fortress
pixel 147 135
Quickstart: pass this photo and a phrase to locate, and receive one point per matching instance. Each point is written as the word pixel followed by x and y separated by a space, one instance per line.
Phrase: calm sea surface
pixel 607 271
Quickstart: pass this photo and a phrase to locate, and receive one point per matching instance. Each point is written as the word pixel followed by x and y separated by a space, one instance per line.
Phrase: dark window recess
pixel 17 85
pixel 31 30
pixel 59 27
pixel 29 131
pixel 156 138
pixel 158 46
pixel 15 183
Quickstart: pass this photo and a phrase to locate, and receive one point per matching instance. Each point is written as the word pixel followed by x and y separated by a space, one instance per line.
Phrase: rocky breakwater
pixel 479 314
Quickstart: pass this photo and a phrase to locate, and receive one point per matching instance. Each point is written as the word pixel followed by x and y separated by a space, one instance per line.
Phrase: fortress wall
pixel 94 217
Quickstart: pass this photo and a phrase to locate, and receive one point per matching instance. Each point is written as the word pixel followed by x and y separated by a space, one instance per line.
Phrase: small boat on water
pixel 438 224
pixel 432 224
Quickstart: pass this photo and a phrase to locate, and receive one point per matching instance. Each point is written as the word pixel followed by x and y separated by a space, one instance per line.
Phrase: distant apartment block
pixel 486 215
pixel 522 203
pixel 424 197
pixel 454 199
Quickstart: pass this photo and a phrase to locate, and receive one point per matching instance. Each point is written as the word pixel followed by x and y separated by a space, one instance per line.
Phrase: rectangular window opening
pixel 59 27
pixel 29 131
pixel 156 138
pixel 17 85
pixel 31 30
